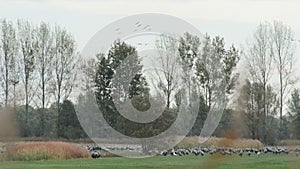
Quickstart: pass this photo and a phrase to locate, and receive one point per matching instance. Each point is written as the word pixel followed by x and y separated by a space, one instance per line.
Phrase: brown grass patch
pixel 288 143
pixel 189 142
pixel 44 151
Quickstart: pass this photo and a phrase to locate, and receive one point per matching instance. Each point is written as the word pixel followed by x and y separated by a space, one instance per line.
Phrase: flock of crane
pixel 198 151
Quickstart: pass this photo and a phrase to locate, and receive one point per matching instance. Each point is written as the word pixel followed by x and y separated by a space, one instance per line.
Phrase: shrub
pixel 44 151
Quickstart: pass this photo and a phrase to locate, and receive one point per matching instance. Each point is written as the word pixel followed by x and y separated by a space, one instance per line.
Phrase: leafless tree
pixel 64 70
pixel 167 74
pixel 87 73
pixel 259 59
pixel 44 60
pixel 28 43
pixel 283 49
pixel 8 57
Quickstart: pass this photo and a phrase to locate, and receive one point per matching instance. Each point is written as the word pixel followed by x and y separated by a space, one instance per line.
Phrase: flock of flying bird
pixel 197 151
pixel 137 27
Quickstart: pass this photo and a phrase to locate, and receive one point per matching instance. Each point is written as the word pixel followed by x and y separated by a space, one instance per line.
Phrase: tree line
pixel 38 69
pixel 270 60
pixel 39 65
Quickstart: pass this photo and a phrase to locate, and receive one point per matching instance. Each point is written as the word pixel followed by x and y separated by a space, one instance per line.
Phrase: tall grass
pixel 44 151
pixel 288 143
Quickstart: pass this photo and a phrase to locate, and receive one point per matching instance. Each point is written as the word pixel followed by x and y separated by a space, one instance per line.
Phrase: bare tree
pixel 283 49
pixel 87 73
pixel 168 74
pixel 8 58
pixel 27 40
pixel 64 73
pixel 259 59
pixel 44 59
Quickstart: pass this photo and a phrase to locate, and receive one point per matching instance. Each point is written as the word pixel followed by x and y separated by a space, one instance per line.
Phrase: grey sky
pixel 232 19
pixel 235 20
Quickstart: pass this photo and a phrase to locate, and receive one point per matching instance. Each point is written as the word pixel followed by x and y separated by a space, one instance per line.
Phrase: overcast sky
pixel 233 19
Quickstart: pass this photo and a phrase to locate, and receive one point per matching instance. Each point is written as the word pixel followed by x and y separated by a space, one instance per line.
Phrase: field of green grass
pixel 265 161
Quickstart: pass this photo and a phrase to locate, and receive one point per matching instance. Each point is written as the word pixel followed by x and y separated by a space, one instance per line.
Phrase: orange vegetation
pixel 44 151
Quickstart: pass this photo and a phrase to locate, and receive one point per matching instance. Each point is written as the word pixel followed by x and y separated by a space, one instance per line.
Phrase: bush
pixel 44 151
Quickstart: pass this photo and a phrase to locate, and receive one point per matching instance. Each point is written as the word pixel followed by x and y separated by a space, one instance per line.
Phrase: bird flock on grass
pixel 197 151
pixel 201 151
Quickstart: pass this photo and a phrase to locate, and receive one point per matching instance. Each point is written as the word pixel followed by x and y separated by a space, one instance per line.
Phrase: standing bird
pixel 241 152
pixel 258 153
pixel 173 153
pixel 164 153
pixel 95 154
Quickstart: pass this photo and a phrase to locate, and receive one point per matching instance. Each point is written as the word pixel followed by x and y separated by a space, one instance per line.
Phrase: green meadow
pixel 264 161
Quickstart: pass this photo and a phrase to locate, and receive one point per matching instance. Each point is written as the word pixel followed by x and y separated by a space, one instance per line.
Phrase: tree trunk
pixel 26 134
pixel 6 82
pixel 43 103
pixel 281 106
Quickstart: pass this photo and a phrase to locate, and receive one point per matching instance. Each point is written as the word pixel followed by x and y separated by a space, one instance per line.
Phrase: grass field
pixel 268 161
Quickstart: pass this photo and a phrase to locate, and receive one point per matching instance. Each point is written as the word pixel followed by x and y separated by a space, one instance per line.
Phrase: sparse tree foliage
pixel 88 70
pixel 64 72
pixel 272 52
pixel 8 58
pixel 214 67
pixel 283 49
pixel 28 49
pixel 167 75
pixel 189 50
pixel 259 59
pixel 44 62
pixel 251 103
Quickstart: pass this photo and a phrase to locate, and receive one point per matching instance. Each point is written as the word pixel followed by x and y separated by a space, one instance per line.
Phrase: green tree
pixel 215 63
pixel 69 126
pixel 294 112
pixel 118 79
pixel 189 48
pixel 201 117
pixel 27 122
pixel 213 66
